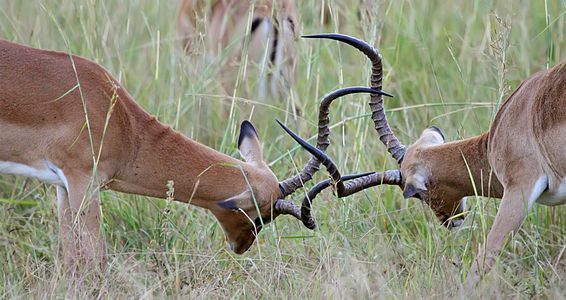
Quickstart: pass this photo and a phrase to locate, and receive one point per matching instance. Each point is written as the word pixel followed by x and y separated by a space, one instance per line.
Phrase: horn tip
pixel 314 35
pixel 323 35
pixel 283 126
pixel 386 94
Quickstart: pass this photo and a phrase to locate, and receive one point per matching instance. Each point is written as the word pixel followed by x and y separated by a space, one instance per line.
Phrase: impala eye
pixel 228 204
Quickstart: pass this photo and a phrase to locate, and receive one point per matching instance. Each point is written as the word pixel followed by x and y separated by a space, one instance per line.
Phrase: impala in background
pixel 224 25
pixel 521 159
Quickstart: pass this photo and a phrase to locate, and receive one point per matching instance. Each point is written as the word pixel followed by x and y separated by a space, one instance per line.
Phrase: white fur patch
pixel 61 196
pixel 538 189
pixel 59 173
pixel 49 174
pixel 263 33
pixel 464 204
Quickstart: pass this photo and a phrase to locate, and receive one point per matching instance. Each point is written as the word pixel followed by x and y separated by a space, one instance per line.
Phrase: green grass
pixel 447 63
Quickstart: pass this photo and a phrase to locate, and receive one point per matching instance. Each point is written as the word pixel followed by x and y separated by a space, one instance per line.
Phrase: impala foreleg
pixel 513 210
pixel 65 227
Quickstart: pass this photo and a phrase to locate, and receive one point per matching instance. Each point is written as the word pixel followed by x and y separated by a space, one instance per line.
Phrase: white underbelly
pixel 49 173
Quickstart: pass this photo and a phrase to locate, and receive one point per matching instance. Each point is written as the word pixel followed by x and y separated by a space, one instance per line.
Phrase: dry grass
pixel 448 64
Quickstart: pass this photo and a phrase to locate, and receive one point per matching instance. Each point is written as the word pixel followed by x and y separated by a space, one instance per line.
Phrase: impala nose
pixel 456 223
pixel 451 222
pixel 239 248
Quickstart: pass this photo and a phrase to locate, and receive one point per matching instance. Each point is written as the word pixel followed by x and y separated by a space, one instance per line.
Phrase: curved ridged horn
pixel 324 159
pixel 306 216
pixel 290 185
pixel 346 186
pixel 285 207
pixel 394 147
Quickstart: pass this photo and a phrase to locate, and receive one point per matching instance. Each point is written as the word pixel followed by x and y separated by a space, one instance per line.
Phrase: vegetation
pixel 449 64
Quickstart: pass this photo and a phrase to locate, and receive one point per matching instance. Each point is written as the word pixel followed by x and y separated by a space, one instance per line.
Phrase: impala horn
pixel 357 182
pixel 290 185
pixel 350 184
pixel 394 147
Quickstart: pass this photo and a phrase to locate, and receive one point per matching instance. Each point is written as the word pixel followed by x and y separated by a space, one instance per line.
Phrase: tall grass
pixel 447 63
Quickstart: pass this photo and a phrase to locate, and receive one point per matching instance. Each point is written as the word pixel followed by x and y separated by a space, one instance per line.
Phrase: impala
pixel 66 121
pixel 272 30
pixel 520 159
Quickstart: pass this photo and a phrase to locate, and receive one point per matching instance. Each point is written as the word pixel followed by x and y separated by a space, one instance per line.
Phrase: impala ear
pixel 248 143
pixel 438 131
pixel 236 202
pixel 432 136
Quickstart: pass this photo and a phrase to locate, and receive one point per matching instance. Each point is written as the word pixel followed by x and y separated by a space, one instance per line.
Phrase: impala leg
pixel 66 229
pixel 79 211
pixel 511 214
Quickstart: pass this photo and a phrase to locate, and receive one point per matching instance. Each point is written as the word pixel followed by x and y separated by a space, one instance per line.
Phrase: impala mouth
pixel 243 242
pixel 238 249
pixel 452 223
pixel 455 223
pixel 230 246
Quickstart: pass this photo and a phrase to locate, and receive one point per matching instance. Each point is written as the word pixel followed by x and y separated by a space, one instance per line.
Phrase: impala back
pixel 528 135
pixel 41 108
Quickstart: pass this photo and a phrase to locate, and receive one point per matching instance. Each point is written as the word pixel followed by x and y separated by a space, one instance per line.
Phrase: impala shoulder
pixel 513 108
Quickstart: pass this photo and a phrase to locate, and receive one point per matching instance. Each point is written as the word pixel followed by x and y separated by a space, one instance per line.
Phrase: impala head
pixel 420 175
pixel 242 216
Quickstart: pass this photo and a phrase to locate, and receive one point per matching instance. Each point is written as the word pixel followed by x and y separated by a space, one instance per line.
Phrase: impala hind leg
pixel 79 219
pixel 513 210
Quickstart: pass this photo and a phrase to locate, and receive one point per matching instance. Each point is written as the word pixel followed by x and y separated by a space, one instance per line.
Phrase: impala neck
pixel 463 165
pixel 201 175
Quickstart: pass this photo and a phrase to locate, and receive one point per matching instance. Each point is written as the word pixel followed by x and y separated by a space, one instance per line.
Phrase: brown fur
pixel 41 120
pixel 446 189
pixel 521 160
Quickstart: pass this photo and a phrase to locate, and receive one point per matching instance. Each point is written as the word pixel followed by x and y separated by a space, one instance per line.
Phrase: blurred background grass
pixel 447 63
